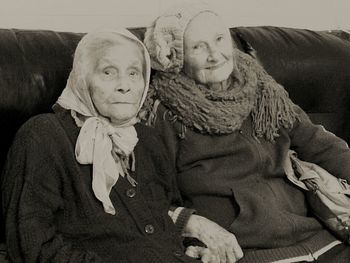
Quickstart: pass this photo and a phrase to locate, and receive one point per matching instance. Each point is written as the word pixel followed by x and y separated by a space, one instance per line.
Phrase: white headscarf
pixel 107 147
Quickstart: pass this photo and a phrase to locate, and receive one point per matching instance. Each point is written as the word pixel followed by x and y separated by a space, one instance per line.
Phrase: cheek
pixel 96 93
pixel 139 90
pixel 195 64
pixel 99 90
pixel 99 95
pixel 228 51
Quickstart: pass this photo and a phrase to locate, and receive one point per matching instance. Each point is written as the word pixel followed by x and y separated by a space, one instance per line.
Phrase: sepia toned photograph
pixel 189 131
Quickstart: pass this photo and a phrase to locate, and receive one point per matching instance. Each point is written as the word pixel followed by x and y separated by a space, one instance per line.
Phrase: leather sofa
pixel 313 66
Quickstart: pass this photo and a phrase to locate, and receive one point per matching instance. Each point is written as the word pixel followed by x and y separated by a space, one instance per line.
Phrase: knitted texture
pixel 253 92
pixel 52 214
pixel 164 38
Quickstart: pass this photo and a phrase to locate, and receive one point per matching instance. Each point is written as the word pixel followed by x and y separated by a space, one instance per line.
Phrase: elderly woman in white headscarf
pixel 228 127
pixel 87 183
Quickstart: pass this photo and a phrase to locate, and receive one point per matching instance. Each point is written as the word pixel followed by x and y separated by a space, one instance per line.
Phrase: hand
pixel 218 240
pixel 205 254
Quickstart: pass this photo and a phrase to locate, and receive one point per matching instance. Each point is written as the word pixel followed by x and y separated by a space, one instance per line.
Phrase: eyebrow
pixel 104 60
pixel 136 63
pixel 196 42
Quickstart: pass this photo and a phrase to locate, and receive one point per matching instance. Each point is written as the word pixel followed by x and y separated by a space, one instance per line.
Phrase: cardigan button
pixel 240 131
pixel 149 229
pixel 131 192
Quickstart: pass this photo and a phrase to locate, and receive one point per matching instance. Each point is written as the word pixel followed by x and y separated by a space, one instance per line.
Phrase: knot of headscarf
pixel 108 148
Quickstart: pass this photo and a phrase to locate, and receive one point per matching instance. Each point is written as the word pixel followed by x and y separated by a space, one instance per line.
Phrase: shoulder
pixel 45 129
pixel 38 125
pixel 31 145
pixel 165 113
pixel 302 121
pixel 166 122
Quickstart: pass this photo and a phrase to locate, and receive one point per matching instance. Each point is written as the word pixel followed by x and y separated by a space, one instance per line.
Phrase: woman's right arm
pixel 32 201
pixel 222 246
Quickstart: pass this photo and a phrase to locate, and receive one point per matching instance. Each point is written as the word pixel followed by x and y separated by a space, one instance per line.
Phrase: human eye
pixel 134 73
pixel 199 48
pixel 109 72
pixel 220 38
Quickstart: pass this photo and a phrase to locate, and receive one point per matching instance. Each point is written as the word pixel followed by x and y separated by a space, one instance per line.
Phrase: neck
pixel 220 86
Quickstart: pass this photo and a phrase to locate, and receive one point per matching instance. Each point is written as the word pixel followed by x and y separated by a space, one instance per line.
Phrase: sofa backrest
pixel 313 66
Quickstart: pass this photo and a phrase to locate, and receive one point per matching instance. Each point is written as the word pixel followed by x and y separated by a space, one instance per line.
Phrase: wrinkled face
pixel 208 49
pixel 116 81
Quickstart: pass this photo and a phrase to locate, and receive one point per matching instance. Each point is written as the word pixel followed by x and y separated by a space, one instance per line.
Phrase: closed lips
pixel 217 65
pixel 122 102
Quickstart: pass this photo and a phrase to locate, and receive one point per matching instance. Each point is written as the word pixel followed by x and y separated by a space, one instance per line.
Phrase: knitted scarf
pixel 253 92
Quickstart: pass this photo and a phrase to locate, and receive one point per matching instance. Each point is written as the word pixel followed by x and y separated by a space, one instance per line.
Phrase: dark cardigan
pixel 239 182
pixel 52 214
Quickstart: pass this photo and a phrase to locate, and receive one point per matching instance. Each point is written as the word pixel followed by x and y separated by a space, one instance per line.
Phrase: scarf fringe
pixel 126 167
pixel 255 93
pixel 272 114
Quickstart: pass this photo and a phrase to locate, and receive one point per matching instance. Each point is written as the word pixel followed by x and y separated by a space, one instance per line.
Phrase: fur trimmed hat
pixel 164 38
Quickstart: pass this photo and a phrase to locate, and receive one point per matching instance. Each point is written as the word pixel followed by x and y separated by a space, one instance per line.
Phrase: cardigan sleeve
pixel 315 144
pixel 32 200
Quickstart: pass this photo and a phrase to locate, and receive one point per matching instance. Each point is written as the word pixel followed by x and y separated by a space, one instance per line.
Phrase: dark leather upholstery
pixel 313 66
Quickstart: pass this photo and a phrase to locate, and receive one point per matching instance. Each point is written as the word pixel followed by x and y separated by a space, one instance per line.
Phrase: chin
pixel 123 113
pixel 220 77
pixel 120 119
pixel 215 76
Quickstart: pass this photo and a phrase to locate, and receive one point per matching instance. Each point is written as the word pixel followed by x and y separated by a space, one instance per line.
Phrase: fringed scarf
pixel 253 92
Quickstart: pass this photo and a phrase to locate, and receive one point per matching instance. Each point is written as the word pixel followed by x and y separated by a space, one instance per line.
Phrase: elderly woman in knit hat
pixel 87 183
pixel 228 127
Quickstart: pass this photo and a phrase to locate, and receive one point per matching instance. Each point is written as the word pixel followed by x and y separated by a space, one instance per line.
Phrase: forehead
pixel 117 50
pixel 124 51
pixel 204 25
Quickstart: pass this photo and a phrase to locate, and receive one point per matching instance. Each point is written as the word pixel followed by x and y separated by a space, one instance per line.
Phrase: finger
pixel 192 252
pixel 222 254
pixel 205 255
pixel 216 259
pixel 206 259
pixel 230 256
pixel 218 250
pixel 237 250
pixel 208 256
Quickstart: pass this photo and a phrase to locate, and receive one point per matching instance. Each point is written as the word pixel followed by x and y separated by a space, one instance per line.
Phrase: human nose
pixel 214 54
pixel 122 86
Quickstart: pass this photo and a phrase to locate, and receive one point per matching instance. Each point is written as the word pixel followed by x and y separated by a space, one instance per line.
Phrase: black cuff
pixel 183 218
